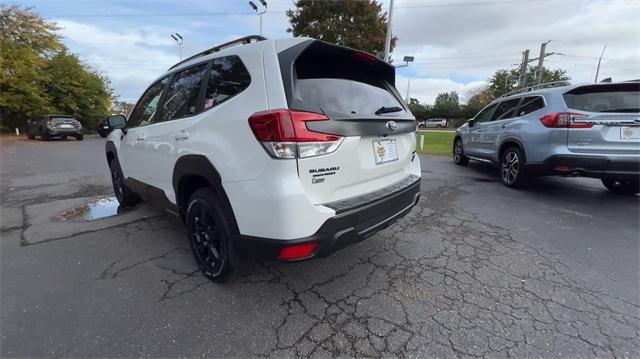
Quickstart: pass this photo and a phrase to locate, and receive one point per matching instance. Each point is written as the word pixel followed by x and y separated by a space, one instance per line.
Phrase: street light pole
pixel 259 13
pixel 179 40
pixel 387 42
pixel 599 60
pixel 407 60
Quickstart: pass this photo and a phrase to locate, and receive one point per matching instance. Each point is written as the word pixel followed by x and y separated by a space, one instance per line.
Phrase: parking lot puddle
pixel 98 208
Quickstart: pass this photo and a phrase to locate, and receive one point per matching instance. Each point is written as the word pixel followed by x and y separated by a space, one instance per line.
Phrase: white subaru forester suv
pixel 287 149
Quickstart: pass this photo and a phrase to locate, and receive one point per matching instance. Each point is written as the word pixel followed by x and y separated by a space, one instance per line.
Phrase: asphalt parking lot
pixel 476 269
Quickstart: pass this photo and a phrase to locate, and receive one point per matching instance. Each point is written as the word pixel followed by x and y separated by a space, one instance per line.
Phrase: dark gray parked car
pixel 50 126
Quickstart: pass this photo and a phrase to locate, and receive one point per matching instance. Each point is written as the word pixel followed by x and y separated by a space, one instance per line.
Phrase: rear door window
pixel 506 109
pixel 182 94
pixel 228 77
pixel 530 104
pixel 621 97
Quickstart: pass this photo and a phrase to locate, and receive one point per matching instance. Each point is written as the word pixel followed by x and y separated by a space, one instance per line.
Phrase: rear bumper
pixel 355 220
pixel 64 132
pixel 586 166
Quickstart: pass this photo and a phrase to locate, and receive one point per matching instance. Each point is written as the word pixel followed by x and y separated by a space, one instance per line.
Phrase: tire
pixel 30 136
pixel 421 126
pixel 80 137
pixel 209 231
pixel 622 186
pixel 458 153
pixel 44 136
pixel 511 169
pixel 125 196
pixel 64 138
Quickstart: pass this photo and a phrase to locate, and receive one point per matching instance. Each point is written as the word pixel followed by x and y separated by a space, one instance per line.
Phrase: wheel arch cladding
pixel 512 142
pixel 192 172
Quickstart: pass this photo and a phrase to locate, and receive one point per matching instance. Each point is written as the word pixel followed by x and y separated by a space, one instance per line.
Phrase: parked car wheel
pixel 511 169
pixel 458 153
pixel 44 136
pixel 64 138
pixel 31 136
pixel 622 186
pixel 209 234
pixel 124 195
pixel 80 137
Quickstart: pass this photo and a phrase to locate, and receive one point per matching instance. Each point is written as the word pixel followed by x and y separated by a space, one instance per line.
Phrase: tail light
pixel 284 134
pixel 49 122
pixel 564 120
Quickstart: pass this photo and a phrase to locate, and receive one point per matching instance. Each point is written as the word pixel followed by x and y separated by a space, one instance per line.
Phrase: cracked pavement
pixel 475 270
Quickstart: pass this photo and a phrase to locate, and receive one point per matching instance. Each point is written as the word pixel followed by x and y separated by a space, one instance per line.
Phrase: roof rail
pixel 240 41
pixel 536 87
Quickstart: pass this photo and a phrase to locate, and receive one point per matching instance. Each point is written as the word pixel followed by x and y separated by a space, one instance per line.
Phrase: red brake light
pixel 564 120
pixel 288 126
pixel 365 56
pixel 297 251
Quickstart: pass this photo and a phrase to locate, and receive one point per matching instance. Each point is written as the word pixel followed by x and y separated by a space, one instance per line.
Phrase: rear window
pixel 623 97
pixel 340 80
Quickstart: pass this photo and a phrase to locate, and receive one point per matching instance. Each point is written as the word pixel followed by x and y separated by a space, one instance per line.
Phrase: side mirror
pixel 472 122
pixel 117 121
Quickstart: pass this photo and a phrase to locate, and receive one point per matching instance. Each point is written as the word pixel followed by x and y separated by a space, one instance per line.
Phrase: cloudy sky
pixel 457 44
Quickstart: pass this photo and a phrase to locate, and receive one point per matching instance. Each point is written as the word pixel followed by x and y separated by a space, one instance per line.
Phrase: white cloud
pixel 426 89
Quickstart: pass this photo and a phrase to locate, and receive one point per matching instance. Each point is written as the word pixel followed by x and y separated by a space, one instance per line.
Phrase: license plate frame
pixel 385 150
pixel 65 125
pixel 628 133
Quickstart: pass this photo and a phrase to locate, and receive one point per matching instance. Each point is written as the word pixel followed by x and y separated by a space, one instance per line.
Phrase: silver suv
pixel 590 130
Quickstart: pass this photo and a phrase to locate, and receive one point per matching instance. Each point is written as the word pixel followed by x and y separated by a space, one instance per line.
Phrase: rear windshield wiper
pixel 383 109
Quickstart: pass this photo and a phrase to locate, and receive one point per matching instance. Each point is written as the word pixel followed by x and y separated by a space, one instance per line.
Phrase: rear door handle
pixel 504 125
pixel 140 138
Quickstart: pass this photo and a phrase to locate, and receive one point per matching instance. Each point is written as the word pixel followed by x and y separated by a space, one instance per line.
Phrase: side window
pixel 506 109
pixel 530 104
pixel 485 115
pixel 147 106
pixel 182 94
pixel 227 78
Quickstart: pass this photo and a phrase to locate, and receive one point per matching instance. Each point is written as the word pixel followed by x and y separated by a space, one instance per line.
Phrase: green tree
pixel 27 42
pixel 420 111
pixel 39 76
pixel 446 105
pixel 504 81
pixel 76 90
pixel 359 24
pixel 476 99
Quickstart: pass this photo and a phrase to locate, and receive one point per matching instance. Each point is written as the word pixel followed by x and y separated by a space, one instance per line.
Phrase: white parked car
pixel 433 123
pixel 288 149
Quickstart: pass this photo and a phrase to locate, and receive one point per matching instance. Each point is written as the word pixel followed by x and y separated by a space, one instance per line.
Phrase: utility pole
pixel 387 42
pixel 540 71
pixel 523 69
pixel 599 60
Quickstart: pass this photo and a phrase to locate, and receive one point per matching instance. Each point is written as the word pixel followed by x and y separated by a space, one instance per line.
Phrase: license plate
pixel 64 125
pixel 630 133
pixel 384 151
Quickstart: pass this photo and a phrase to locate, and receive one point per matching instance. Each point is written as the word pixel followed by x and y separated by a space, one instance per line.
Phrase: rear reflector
pixel 297 251
pixel 564 120
pixel 284 134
